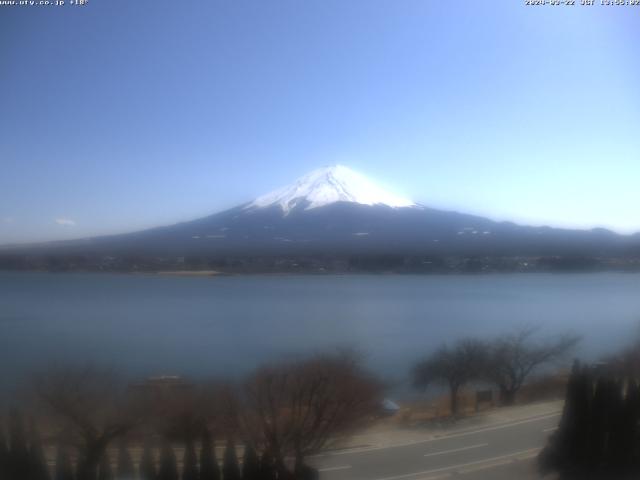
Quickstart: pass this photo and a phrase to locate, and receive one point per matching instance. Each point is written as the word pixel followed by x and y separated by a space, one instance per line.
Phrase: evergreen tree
pixel 190 462
pixel 250 464
pixel 126 469
pixel 85 469
pixel 81 469
pixel 39 469
pixel 4 455
pixel 168 468
pixel 230 467
pixel 632 434
pixel 582 407
pixel 19 462
pixel 148 463
pixel 599 423
pixel 306 472
pixel 63 469
pixel 616 453
pixel 610 433
pixel 303 471
pixel 267 467
pixel 281 470
pixel 209 469
pixel 567 451
pixel 631 427
pixel 105 472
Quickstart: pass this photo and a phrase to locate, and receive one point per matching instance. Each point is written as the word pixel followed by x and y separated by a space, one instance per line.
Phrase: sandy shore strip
pixel 190 273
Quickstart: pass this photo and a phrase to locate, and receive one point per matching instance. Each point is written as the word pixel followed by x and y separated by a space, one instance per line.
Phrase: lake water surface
pixel 227 325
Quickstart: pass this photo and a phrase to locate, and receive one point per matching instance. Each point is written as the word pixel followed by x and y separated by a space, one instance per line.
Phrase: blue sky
pixel 127 114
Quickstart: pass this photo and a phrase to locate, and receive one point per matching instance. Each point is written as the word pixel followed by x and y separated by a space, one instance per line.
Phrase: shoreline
pixel 216 273
pixel 184 273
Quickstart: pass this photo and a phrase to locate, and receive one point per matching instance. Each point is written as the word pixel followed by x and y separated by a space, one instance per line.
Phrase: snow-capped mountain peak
pixel 327 185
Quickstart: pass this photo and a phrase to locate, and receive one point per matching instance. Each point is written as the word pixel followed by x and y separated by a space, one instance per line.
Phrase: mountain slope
pixel 335 211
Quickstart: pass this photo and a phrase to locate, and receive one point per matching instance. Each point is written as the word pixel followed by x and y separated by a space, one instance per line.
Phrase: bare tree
pixel 179 415
pixel 452 367
pixel 514 357
pixel 184 410
pixel 91 407
pixel 300 407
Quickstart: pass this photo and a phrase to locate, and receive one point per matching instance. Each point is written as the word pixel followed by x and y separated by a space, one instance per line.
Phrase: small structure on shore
pixel 389 407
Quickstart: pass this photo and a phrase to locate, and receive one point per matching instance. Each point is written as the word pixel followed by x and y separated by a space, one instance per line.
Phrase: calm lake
pixel 145 324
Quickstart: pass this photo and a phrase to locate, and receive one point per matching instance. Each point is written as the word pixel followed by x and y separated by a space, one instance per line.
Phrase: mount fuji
pixel 335 211
pixel 330 185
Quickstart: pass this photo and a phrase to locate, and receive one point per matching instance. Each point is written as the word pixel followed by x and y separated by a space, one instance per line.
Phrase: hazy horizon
pixel 117 118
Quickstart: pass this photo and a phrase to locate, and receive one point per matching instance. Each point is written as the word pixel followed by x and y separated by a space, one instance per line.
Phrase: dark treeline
pixel 166 428
pixel 21 452
pixel 599 434
pixel 320 263
pixel 22 458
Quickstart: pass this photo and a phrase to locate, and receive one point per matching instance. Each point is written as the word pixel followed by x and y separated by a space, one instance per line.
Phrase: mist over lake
pixel 225 326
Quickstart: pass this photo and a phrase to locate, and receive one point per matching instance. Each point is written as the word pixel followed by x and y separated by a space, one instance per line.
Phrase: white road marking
pixel 524 455
pixel 534 453
pixel 496 427
pixel 484 466
pixel 462 465
pixel 332 469
pixel 437 477
pixel 453 450
pixel 443 437
pixel 549 429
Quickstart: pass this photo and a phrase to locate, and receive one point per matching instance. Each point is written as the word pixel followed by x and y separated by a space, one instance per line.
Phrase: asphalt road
pixel 499 451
